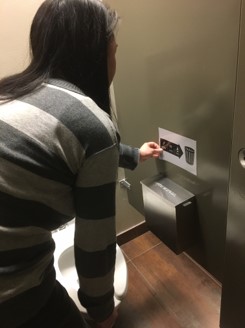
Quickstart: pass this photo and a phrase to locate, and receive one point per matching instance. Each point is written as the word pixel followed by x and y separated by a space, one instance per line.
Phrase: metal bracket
pixel 125 184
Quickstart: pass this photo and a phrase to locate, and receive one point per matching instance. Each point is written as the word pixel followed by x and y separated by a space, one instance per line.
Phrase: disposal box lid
pixel 167 189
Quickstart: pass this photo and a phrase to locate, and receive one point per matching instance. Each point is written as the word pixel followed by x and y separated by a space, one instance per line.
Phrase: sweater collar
pixel 64 84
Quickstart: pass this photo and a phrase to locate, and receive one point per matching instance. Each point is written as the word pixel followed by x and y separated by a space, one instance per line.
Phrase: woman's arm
pixel 131 156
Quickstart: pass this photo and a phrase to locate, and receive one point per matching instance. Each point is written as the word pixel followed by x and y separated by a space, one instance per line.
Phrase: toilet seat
pixel 66 274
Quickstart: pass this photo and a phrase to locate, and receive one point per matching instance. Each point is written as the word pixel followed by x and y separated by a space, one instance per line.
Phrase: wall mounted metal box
pixel 170 212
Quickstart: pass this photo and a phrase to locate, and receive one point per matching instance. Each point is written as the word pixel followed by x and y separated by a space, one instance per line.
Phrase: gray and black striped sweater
pixel 59 154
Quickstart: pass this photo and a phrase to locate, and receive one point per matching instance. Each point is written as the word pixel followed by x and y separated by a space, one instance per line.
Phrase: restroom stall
pixel 233 291
pixel 176 70
pixel 180 68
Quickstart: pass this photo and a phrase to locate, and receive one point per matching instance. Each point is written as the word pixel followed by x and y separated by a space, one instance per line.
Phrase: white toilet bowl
pixel 66 274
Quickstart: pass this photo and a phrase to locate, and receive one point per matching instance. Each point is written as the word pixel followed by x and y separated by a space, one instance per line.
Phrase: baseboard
pixel 132 233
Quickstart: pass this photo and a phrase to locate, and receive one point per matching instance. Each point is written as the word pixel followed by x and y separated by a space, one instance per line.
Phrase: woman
pixel 59 157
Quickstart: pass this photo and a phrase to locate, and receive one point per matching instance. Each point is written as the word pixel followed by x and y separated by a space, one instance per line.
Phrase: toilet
pixel 66 274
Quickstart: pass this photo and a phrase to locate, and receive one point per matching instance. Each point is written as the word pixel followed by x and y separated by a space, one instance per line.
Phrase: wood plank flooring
pixel 166 290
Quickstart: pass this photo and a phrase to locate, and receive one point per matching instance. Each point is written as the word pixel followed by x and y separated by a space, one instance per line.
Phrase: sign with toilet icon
pixel 178 150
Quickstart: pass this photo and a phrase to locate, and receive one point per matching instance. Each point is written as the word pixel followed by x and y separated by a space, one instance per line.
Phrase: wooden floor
pixel 166 290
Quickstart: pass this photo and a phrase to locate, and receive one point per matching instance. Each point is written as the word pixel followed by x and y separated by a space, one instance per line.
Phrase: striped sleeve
pixel 94 202
pixel 129 157
pixel 95 237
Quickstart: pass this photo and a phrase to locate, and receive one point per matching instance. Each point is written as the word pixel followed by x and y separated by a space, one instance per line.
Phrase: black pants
pixel 59 312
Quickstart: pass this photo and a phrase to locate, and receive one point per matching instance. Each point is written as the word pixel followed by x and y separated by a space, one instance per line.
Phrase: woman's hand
pixel 150 149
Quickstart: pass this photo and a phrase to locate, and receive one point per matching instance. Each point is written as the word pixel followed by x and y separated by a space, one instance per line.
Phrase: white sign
pixel 178 150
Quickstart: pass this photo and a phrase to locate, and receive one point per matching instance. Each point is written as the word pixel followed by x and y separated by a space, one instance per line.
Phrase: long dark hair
pixel 68 40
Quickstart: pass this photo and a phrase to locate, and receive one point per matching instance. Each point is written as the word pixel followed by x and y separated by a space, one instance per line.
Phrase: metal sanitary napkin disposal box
pixel 170 212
